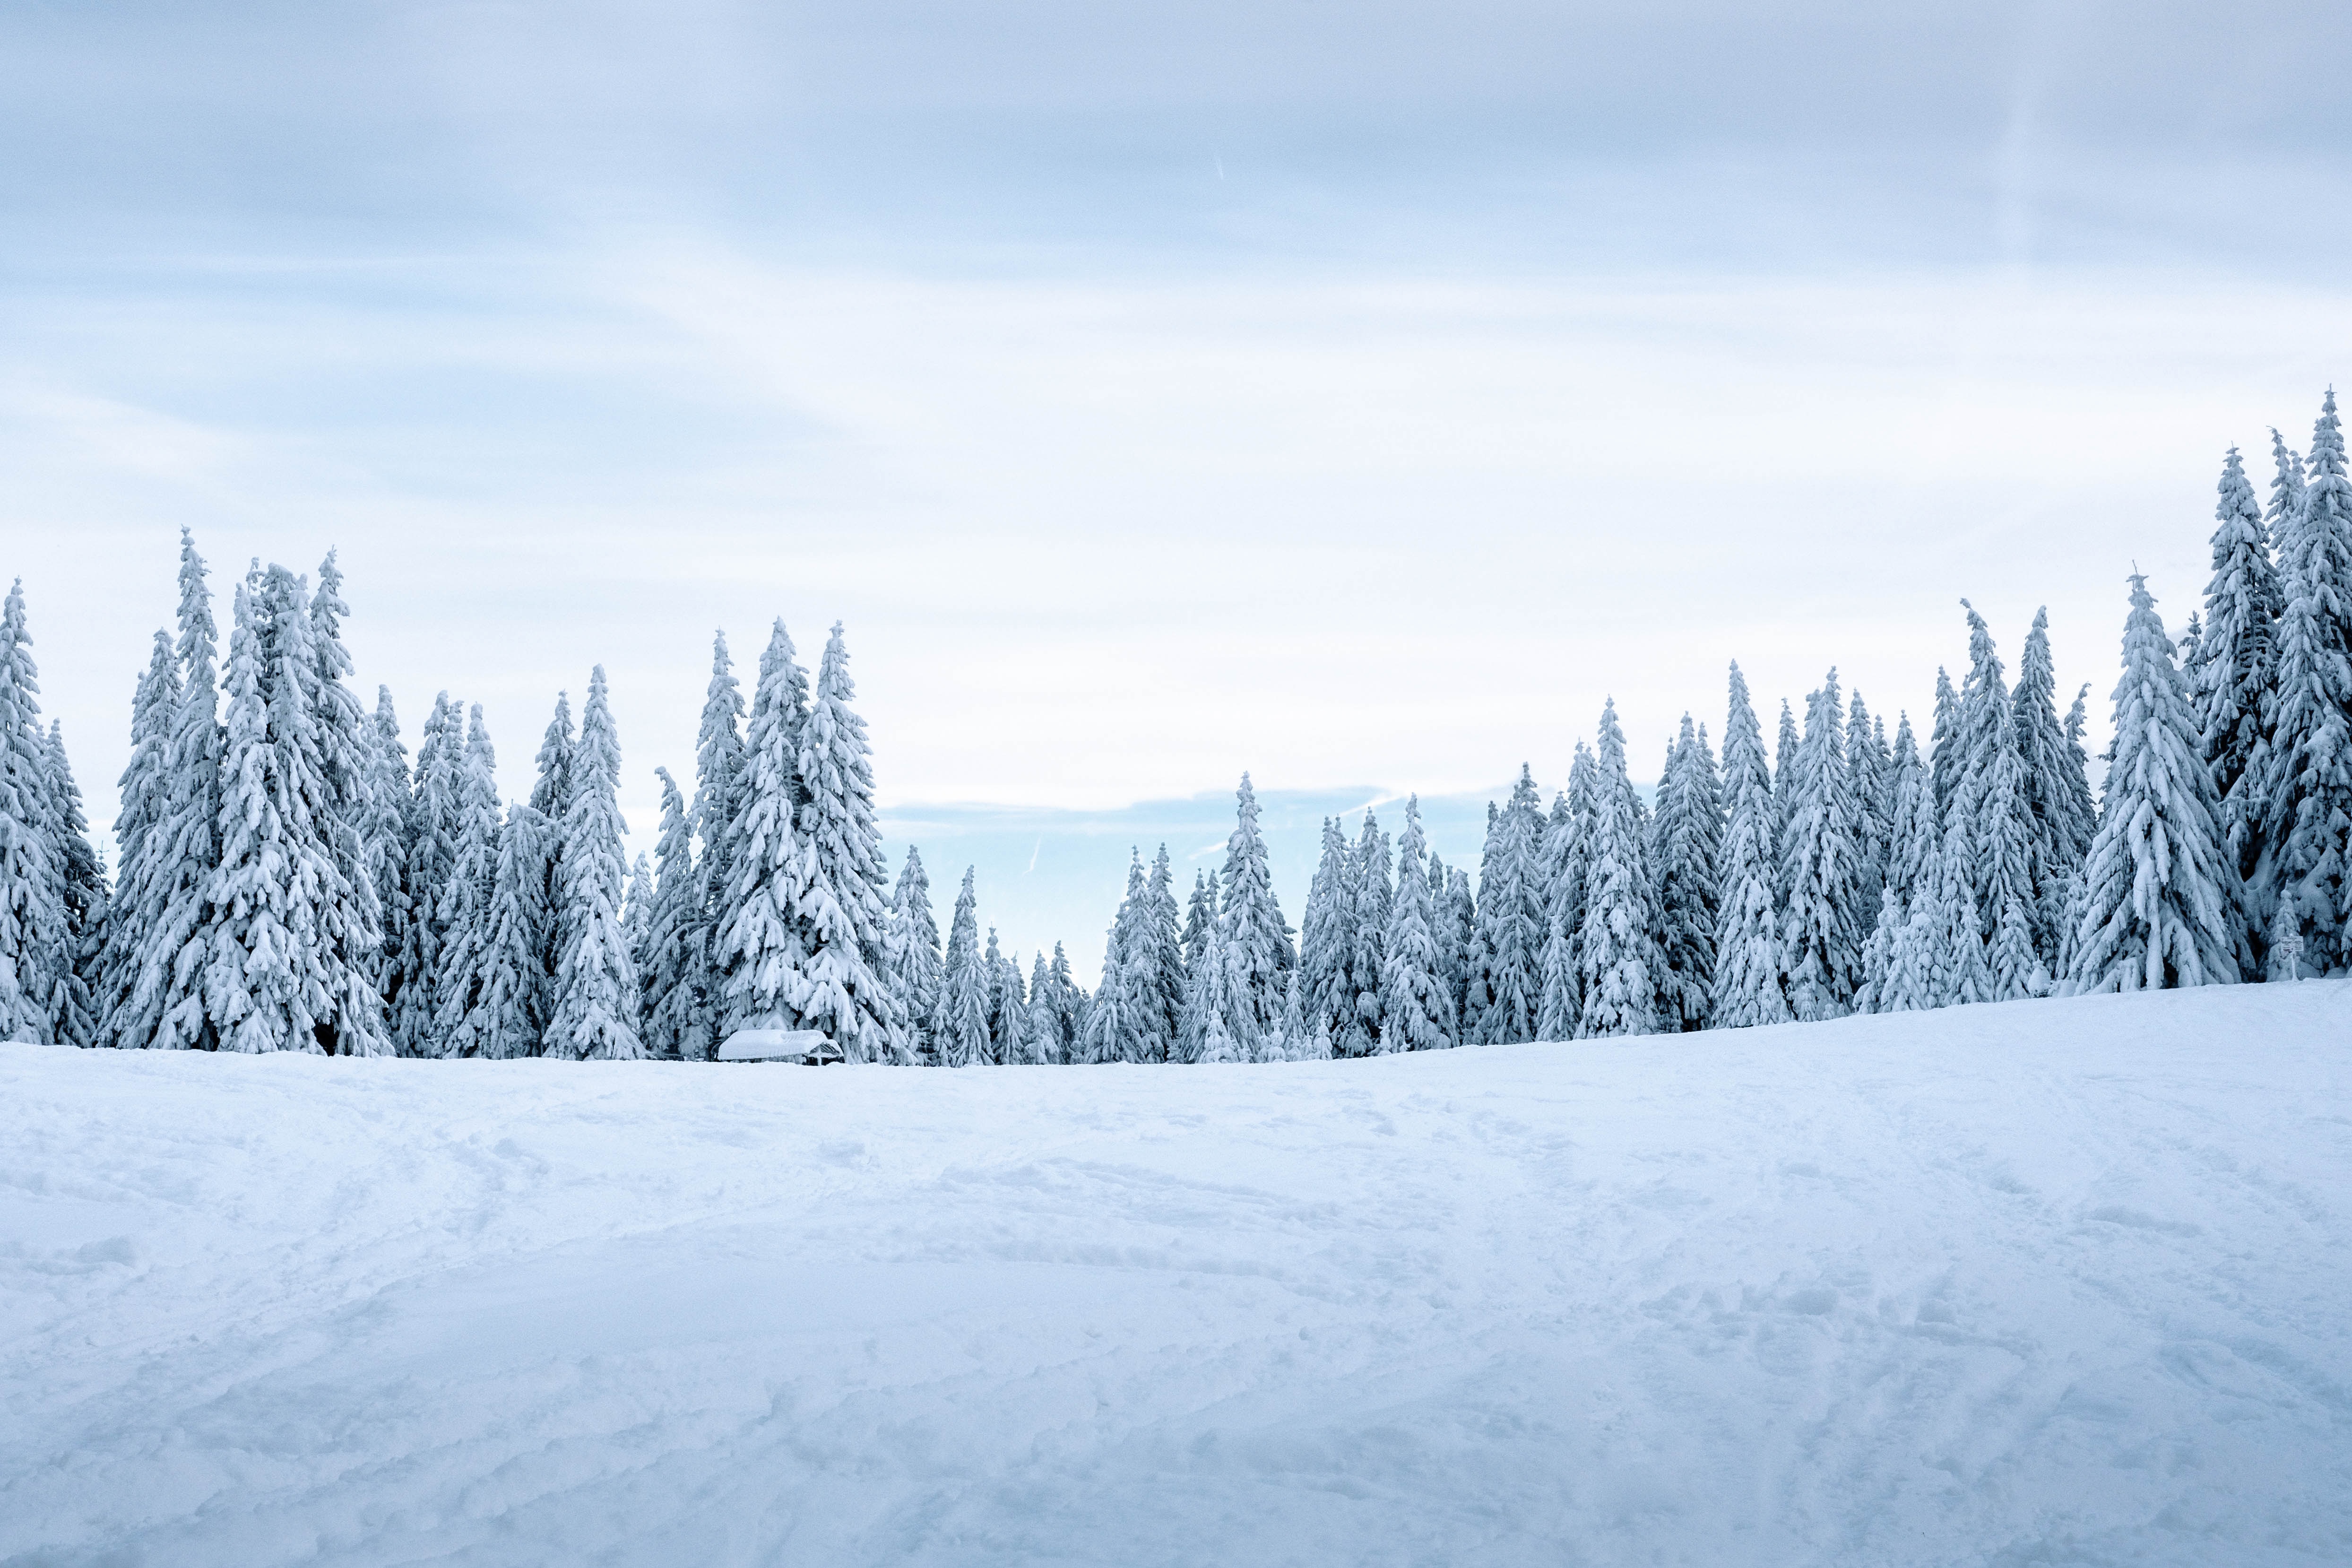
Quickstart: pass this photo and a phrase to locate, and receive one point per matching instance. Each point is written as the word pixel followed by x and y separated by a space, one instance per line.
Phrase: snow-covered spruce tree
pixel 720 779
pixel 1912 837
pixel 1418 1014
pixel 2239 666
pixel 596 991
pixel 347 765
pixel 1619 951
pixel 1008 1040
pixel 914 952
pixel 636 927
pixel 140 863
pixel 1199 914
pixel 2160 907
pixel 1561 1004
pixel 1951 935
pixel 669 962
pixel 1041 1027
pixel 1822 940
pixel 1254 933
pixel 755 939
pixel 32 880
pixel 1512 914
pixel 2285 962
pixel 1109 1025
pixel 2060 821
pixel 1784 769
pixel 467 914
pixel 1476 962
pixel 432 834
pixel 516 995
pixel 2005 869
pixel 249 985
pixel 1688 834
pixel 384 835
pixel 73 1009
pixel 1458 940
pixel 1155 981
pixel 166 1008
pixel 1866 788
pixel 1946 754
pixel 1374 899
pixel 836 894
pixel 550 793
pixel 1215 1004
pixel 1748 989
pixel 1069 1006
pixel 960 1027
pixel 2307 827
pixel 1567 848
pixel 1326 951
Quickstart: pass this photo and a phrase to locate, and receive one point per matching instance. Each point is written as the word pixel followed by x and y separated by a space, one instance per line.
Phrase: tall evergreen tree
pixel 960 1027
pixel 469 901
pixel 1008 1041
pixel 1327 997
pixel 384 837
pixel 1824 940
pixel 74 1018
pixel 1374 899
pixel 1866 787
pixel 1458 920
pixel 1068 1005
pixel 1042 1026
pixel 1254 933
pixel 2306 826
pixel 433 811
pixel 143 867
pixel 1749 987
pixel 347 766
pixel 518 993
pixel 1621 967
pixel 2060 821
pixel 1784 770
pixel 1418 1014
pixel 32 879
pixel 1199 914
pixel 721 776
pixel 756 941
pixel 1512 914
pixel 2239 666
pixel 1110 1030
pixel 1946 754
pixel 597 990
pixel 167 1006
pixel 670 964
pixel 914 954
pixel 836 894
pixel 1688 866
pixel 1155 982
pixel 2161 909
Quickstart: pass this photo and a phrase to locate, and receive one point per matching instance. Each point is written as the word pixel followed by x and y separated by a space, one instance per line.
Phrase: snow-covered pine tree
pixel 1069 1004
pixel 1912 836
pixel 34 958
pixel 1042 1026
pixel 2058 825
pixel 1254 933
pixel 720 779
pixel 1199 914
pixel 836 891
pixel 1560 1006
pixel 1155 956
pixel 1866 787
pixel 2161 909
pixel 2306 825
pixel 755 939
pixel 1512 915
pixel 2005 869
pixel 597 990
pixel 960 1027
pixel 516 995
pixel 1784 769
pixel 74 1018
pixel 1326 951
pixel 914 952
pixel 384 835
pixel 431 854
pixel 1418 1014
pixel 1688 834
pixel 1215 1002
pixel 141 862
pixel 2285 962
pixel 347 764
pixel 1110 1021
pixel 2239 666
pixel 669 962
pixel 1458 940
pixel 1822 938
pixel 551 795
pixel 1619 951
pixel 249 984
pixel 467 913
pixel 1947 756
pixel 1374 899
pixel 1749 988
pixel 636 929
pixel 1008 1037
pixel 167 1006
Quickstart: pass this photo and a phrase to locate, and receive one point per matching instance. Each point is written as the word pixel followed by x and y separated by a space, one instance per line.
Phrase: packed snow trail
pixel 2061 1282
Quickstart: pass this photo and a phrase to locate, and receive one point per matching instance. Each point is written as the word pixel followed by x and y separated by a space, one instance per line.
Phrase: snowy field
pixel 2048 1282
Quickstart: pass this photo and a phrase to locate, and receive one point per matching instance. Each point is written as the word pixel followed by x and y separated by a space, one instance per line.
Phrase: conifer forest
pixel 291 876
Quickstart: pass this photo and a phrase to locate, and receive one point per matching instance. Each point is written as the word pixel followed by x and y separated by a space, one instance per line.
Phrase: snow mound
pixel 2059 1281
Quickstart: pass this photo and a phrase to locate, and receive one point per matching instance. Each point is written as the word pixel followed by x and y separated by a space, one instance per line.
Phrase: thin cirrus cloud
pixel 1155 393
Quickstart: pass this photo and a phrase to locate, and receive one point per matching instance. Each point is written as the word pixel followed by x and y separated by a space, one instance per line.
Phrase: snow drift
pixel 2058 1281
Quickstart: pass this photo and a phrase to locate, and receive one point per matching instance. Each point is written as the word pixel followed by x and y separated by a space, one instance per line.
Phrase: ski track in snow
pixel 2048 1282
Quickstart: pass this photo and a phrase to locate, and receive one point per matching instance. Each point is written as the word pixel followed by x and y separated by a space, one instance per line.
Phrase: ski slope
pixel 2047 1282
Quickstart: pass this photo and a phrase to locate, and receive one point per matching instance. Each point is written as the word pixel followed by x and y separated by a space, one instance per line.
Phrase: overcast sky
pixel 1355 394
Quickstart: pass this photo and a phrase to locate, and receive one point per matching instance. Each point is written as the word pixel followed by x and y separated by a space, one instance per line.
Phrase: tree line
pixel 289 880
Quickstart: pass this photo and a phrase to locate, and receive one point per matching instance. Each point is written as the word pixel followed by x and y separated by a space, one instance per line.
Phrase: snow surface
pixel 2047 1282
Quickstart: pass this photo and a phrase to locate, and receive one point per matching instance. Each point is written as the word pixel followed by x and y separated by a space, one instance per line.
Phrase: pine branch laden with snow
pixel 1417 1013
pixel 1618 950
pixel 597 990
pixel 2160 907
pixel 1749 990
